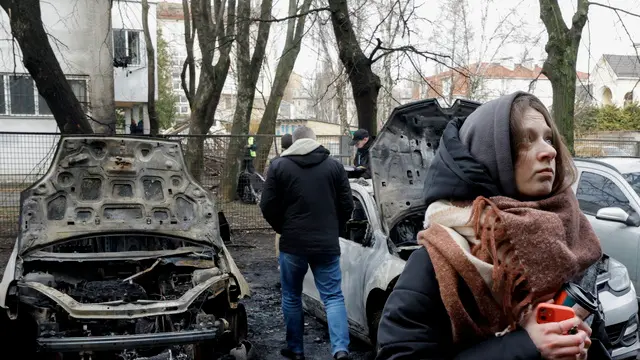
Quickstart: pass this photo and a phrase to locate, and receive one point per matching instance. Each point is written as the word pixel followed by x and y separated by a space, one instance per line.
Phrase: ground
pixel 255 255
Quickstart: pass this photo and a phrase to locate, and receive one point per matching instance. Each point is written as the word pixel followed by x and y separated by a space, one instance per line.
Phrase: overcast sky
pixel 603 34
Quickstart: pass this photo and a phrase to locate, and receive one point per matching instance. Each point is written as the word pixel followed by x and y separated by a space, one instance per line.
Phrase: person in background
pixel 285 142
pixel 504 233
pixel 136 129
pixel 250 155
pixel 362 141
pixel 307 199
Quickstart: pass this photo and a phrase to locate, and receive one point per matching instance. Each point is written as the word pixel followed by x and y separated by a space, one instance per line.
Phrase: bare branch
pixel 614 8
pixel 305 13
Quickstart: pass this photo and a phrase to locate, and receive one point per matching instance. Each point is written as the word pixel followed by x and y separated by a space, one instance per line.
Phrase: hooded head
pixel 305 150
pixel 509 146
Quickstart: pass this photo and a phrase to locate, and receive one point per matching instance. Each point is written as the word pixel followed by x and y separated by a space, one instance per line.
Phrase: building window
pixel 126 45
pixel 628 98
pixel 22 95
pixel 24 99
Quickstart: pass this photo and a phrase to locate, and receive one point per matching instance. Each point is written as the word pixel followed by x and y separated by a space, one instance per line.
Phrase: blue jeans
pixel 328 278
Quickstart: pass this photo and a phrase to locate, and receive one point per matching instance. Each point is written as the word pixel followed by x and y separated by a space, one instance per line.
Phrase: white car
pixel 389 212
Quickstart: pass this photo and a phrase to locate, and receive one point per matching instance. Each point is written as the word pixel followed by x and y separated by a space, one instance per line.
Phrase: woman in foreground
pixel 503 233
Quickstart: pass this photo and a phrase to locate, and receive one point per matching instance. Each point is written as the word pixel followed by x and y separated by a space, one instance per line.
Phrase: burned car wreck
pixel 119 256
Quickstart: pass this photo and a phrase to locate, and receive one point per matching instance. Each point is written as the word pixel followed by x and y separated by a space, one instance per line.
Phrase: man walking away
pixel 307 199
pixel 362 142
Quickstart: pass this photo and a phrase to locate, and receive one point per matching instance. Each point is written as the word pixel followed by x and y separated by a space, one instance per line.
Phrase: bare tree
pixel 188 85
pixel 469 50
pixel 293 41
pixel 151 70
pixel 365 84
pixel 40 60
pixel 248 70
pixel 560 65
pixel 213 33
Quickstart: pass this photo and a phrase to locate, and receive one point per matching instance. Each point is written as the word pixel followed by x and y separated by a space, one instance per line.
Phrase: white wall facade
pixel 609 89
pixel 131 83
pixel 79 38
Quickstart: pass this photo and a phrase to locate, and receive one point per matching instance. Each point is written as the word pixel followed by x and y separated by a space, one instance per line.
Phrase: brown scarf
pixel 511 254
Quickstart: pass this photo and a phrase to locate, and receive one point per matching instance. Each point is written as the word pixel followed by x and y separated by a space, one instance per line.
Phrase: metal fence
pixel 25 157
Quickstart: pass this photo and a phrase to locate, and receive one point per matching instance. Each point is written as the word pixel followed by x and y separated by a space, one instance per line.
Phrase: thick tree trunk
pixel 44 68
pixel 560 65
pixel 295 31
pixel 364 83
pixel 212 78
pixel 151 71
pixel 248 69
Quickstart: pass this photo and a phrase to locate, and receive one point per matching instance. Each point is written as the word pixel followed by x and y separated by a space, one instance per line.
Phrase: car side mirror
pixel 618 215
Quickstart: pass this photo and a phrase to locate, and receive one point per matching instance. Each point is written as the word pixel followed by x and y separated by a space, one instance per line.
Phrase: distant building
pixel 486 81
pixel 615 80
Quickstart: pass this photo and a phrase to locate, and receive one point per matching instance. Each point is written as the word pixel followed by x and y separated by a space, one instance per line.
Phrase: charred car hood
pixel 402 153
pixel 98 185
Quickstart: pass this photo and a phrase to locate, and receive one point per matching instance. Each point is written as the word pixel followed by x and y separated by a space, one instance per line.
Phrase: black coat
pixel 362 158
pixel 307 199
pixel 415 324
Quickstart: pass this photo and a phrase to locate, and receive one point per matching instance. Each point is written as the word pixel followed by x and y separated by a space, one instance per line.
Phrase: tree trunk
pixel 40 60
pixel 248 68
pixel 189 87
pixel 151 71
pixel 212 78
pixel 364 83
pixel 560 65
pixel 295 31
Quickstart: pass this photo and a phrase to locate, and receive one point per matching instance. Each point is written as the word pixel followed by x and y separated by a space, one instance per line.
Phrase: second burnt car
pixel 119 256
pixel 389 212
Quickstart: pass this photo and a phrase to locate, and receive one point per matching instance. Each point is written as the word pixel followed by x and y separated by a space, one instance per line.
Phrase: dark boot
pixel 341 355
pixel 291 355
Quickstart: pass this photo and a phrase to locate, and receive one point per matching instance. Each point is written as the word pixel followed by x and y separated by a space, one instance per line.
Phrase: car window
pixel 596 192
pixel 358 224
pixel 634 180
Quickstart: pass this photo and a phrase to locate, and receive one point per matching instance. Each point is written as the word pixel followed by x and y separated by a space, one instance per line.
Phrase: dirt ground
pixel 255 257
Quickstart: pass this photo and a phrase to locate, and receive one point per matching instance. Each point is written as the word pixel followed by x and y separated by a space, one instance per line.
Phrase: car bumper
pixel 120 342
pixel 621 320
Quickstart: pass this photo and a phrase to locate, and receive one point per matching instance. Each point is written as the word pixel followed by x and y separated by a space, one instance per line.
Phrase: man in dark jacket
pixel 307 199
pixel 362 142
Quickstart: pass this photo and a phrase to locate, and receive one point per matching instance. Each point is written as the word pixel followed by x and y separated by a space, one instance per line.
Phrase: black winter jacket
pixel 362 158
pixel 415 324
pixel 307 199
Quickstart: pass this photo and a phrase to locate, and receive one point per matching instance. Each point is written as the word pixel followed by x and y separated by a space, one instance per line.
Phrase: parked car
pixel 119 252
pixel 389 211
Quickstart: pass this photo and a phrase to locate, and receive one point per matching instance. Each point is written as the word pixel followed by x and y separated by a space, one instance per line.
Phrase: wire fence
pixel 25 157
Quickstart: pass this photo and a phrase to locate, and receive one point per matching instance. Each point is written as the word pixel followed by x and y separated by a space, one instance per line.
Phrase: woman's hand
pixel 552 339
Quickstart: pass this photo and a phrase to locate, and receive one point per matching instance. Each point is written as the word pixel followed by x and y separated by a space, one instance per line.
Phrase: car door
pixel 596 190
pixel 355 247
